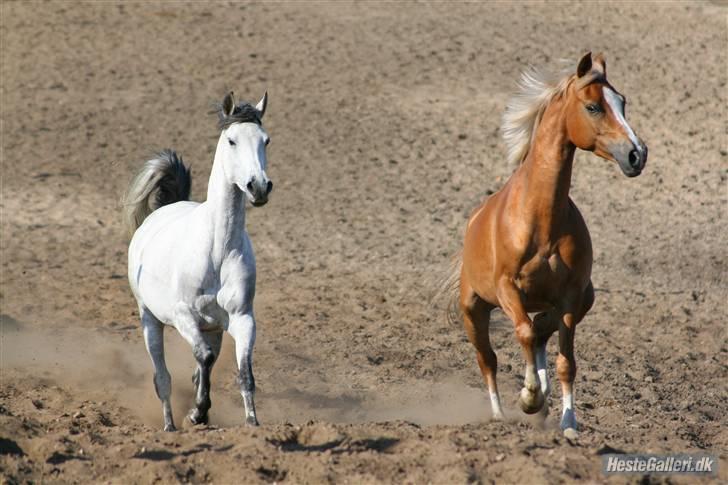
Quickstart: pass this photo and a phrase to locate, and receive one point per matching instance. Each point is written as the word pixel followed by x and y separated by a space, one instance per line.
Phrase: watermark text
pixel 699 464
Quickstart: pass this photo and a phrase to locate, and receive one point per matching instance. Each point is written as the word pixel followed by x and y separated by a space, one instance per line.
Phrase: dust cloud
pixel 109 365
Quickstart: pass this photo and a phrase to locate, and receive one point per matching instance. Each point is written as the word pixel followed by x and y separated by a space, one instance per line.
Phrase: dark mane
pixel 243 113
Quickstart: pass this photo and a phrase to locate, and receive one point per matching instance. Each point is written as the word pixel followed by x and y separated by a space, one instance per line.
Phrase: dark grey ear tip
pixel 228 104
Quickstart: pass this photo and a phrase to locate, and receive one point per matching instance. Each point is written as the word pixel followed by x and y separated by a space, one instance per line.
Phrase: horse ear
pixel 262 104
pixel 228 104
pixel 585 65
pixel 600 63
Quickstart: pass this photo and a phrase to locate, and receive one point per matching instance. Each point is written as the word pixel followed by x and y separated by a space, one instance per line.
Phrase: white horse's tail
pixel 163 180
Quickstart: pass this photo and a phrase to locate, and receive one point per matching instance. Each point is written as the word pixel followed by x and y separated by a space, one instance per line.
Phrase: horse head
pixel 596 121
pixel 242 147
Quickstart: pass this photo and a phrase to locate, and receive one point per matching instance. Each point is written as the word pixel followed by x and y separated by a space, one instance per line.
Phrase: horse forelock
pixel 525 109
pixel 592 77
pixel 243 113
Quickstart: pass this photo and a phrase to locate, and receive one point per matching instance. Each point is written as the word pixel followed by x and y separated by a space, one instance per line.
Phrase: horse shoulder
pixel 237 278
pixel 578 228
pixel 513 230
pixel 487 246
pixel 575 247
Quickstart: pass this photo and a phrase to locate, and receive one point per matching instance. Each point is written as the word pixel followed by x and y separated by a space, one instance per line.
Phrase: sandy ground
pixel 384 123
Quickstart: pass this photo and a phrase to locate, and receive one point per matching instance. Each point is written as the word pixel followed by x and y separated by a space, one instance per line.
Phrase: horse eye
pixel 267 141
pixel 593 108
pixel 232 143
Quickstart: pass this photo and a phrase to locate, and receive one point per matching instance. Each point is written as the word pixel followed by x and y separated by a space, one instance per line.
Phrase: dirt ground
pixel 384 122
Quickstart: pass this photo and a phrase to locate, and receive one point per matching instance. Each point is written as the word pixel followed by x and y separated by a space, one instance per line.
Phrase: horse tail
pixel 163 180
pixel 449 289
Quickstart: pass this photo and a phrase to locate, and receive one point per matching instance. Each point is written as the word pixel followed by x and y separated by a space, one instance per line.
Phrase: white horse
pixel 191 265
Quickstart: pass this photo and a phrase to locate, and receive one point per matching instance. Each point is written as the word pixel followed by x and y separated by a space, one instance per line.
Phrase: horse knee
pixel 204 355
pixel 525 334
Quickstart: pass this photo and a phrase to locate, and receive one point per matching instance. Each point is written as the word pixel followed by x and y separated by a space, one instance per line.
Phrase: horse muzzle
pixel 258 191
pixel 631 158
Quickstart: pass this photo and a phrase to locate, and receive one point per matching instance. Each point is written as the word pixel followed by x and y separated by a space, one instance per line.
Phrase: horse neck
pixel 227 205
pixel 548 169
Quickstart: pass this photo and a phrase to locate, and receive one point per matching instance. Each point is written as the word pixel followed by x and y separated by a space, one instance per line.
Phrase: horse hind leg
pixel 153 331
pixel 476 318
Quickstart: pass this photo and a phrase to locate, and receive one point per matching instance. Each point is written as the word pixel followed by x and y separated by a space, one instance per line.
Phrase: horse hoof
pixel 568 423
pixel 251 421
pixel 170 427
pixel 531 402
pixel 197 418
pixel 571 434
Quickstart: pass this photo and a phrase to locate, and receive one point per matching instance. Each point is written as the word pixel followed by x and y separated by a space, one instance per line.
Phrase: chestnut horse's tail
pixel 449 289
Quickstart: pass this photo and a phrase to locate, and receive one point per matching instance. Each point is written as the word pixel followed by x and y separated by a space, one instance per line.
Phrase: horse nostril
pixel 269 187
pixel 634 159
pixel 250 187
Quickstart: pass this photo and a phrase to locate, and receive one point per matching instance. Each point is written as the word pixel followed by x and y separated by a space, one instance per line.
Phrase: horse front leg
pixel 202 391
pixel 566 370
pixel 531 399
pixel 188 327
pixel 545 324
pixel 574 312
pixel 242 329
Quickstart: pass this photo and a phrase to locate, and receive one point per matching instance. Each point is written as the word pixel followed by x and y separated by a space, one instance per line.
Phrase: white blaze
pixel 616 103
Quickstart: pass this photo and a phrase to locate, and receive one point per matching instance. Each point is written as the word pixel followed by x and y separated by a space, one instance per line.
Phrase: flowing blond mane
pixel 524 110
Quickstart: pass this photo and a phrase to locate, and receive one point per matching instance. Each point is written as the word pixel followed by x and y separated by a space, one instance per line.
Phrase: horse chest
pixel 541 276
pixel 211 316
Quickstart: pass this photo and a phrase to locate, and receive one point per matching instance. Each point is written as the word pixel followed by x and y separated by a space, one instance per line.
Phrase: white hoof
pixel 531 402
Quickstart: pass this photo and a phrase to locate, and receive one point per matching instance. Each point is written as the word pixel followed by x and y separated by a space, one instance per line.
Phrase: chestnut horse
pixel 527 248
